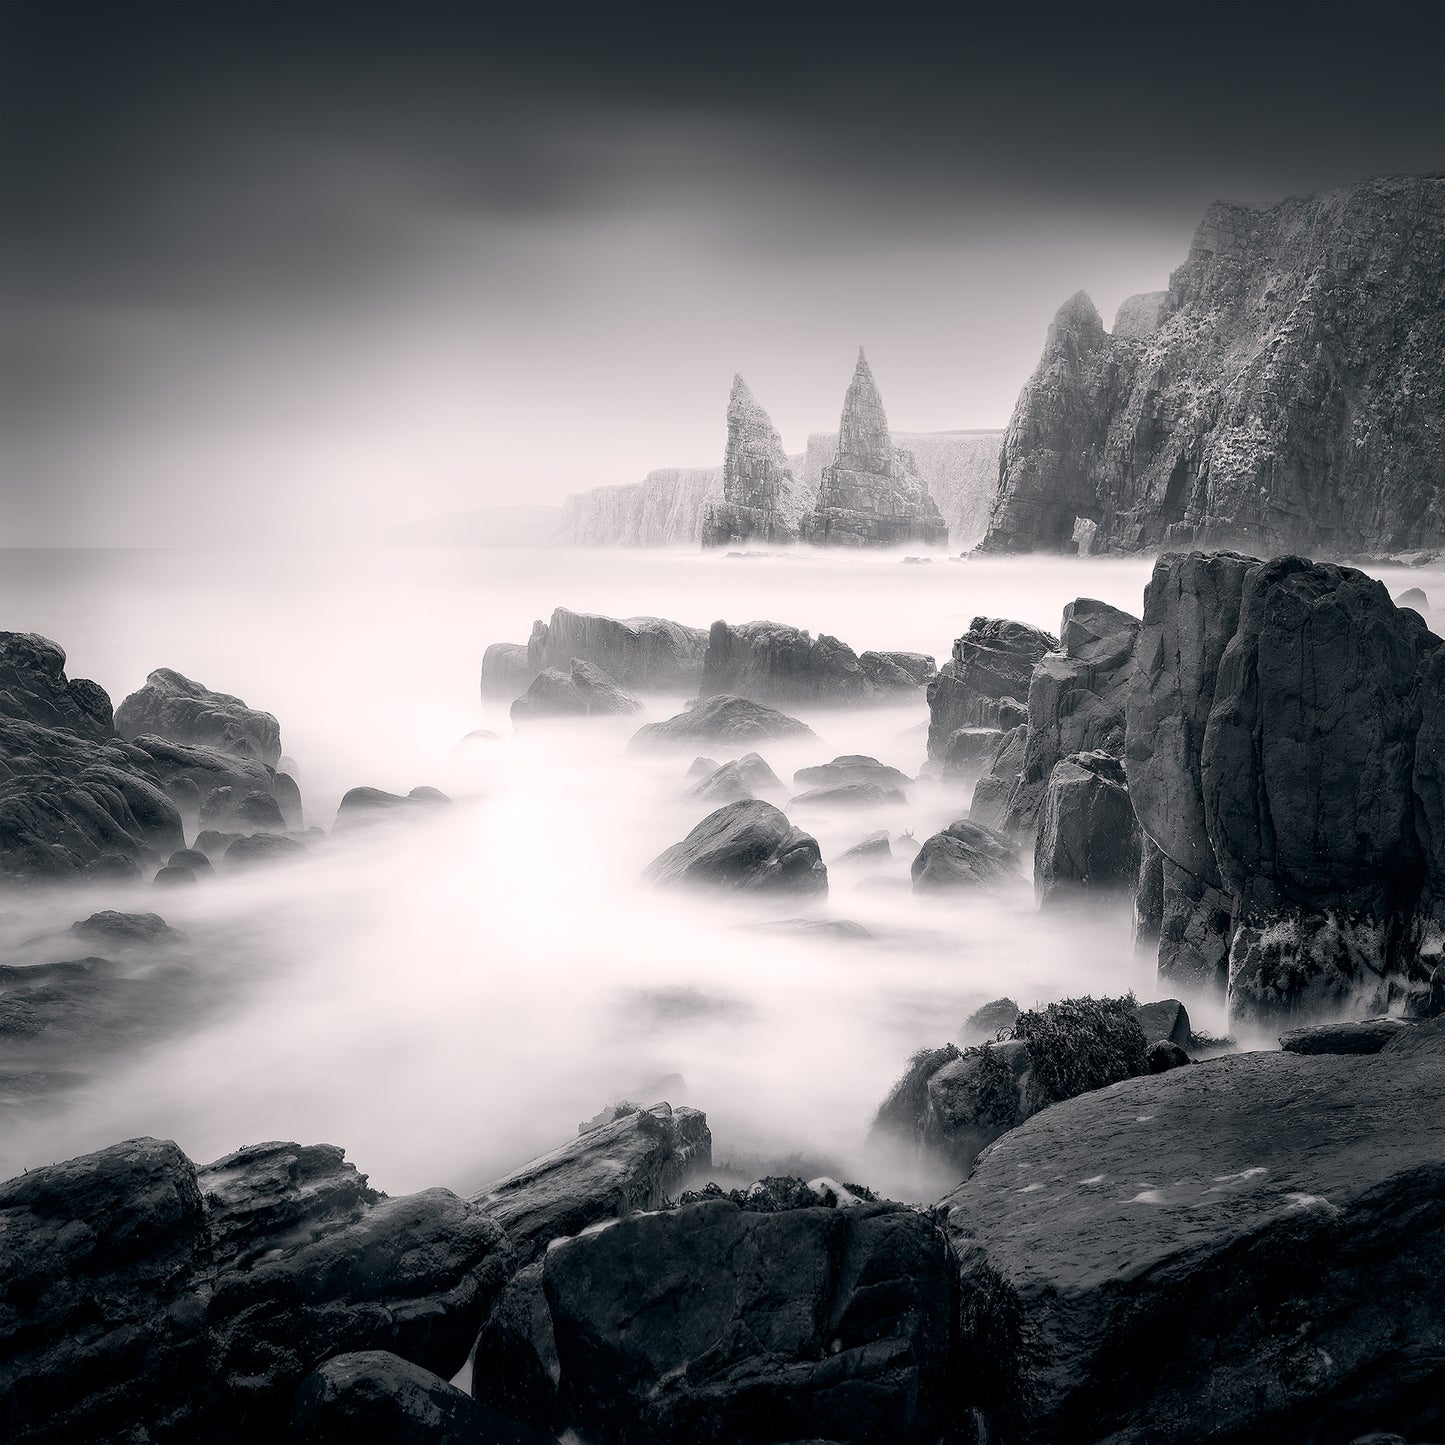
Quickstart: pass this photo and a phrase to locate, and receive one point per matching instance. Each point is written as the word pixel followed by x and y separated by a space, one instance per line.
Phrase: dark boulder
pixel 256 811
pixel 732 720
pixel 746 846
pixel 969 750
pixel 848 795
pixel 114 929
pixel 965 855
pixel 1166 1018
pixel 1088 839
pixel 1164 1055
pixel 35 689
pixel 636 1162
pixel 583 691
pixel 650 653
pixel 771 662
pixel 190 773
pixel 994 659
pixel 173 875
pixel 1364 1036
pixel 260 850
pixel 174 707
pixel 1250 1232
pixel 851 768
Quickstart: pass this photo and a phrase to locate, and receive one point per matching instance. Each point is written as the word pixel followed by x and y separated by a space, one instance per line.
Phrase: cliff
pixel 1284 394
pixel 761 499
pixel 664 509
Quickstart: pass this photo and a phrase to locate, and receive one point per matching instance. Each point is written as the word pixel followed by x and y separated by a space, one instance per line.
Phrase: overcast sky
pixel 281 271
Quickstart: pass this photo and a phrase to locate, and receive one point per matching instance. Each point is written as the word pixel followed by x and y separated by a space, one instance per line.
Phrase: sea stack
pixel 761 499
pixel 872 495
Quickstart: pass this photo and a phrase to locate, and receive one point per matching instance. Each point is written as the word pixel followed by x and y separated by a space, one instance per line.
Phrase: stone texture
pixel 1364 1036
pixel 174 707
pixel 872 495
pixel 505 670
pixel 851 768
pixel 771 662
pixel 35 689
pixel 761 499
pixel 733 782
pixel 991 794
pixel 1088 839
pixel 965 855
pixel 1286 399
pixel 713 720
pixel 646 653
pixel 848 795
pixel 897 672
pixel 583 691
pixel 1239 1242
pixel 993 660
pixel 747 846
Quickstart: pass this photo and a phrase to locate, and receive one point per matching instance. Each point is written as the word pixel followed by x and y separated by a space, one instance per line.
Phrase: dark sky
pixel 337 262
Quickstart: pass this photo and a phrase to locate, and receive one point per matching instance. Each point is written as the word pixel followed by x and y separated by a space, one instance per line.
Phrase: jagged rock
pixel 851 768
pixel 711 1323
pixel 1266 409
pixel 259 850
pixel 636 1162
pixel 995 787
pixel 723 719
pixel 515 1369
pixel 35 689
pixel 965 855
pixel 373 1395
pixel 1139 316
pixel 174 707
pixel 985 1024
pixel 872 849
pixel 649 653
pixel 1307 766
pixel 770 662
pixel 1367 1036
pixel 1088 839
pixel 747 846
pixel 968 750
pixel 1258 1225
pixel 761 500
pixel 897 671
pixel 1166 1018
pixel 736 781
pixel 994 659
pixel 848 795
pixel 1076 701
pixel 505 669
pixel 872 494
pixel 584 691
pixel 191 1303
pixel 190 773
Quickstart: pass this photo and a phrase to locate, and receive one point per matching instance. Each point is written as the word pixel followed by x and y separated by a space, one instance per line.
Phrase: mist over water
pixel 448 997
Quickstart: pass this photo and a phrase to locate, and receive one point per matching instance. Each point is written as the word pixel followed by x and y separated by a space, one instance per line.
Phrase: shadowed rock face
pixel 771 662
pixel 34 688
pixel 761 499
pixel 748 846
pixel 174 707
pixel 638 652
pixel 1251 1227
pixel 1281 397
pixel 1088 840
pixel 993 660
pixel 872 495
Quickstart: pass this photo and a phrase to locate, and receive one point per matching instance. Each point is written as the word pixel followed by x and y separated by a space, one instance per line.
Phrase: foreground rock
pixel 991 662
pixel 770 662
pixel 35 689
pixel 761 499
pixel 647 653
pixel 747 846
pixel 715 1323
pixel 723 719
pixel 1256 1226
pixel 1366 1036
pixel 174 707
pixel 155 1300
pixel 635 1162
pixel 872 494
pixel 583 691
pixel 965 855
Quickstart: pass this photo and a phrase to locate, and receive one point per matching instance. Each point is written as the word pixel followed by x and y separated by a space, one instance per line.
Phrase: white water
pixel 448 999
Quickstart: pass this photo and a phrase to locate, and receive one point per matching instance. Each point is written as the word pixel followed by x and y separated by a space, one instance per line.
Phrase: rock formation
pixel 965 855
pixel 992 661
pixel 733 782
pixel 723 719
pixel 1284 395
pixel 871 495
pixel 761 500
pixel 173 707
pixel 1088 840
pixel 747 846
pixel 771 662
pixel 665 509
pixel 35 689
pixel 649 653
pixel 583 691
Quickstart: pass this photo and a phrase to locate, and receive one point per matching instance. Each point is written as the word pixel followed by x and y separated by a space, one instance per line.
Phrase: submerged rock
pixel 851 768
pixel 362 806
pixel 745 846
pixel 872 849
pixel 174 707
pixel 985 1024
pixel 260 850
pixel 722 719
pixel 584 691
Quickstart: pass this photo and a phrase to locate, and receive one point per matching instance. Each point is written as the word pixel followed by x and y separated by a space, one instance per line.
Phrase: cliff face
pixel 1284 394
pixel 761 499
pixel 664 509
pixel 872 494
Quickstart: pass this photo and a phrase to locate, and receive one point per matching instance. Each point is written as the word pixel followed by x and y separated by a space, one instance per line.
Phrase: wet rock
pixel 848 795
pixel 761 499
pixel 874 848
pixel 965 855
pixel 1429 778
pixel 734 720
pixel 898 672
pixel 212 841
pixel 969 750
pixel 175 707
pixel 35 689
pixel 745 846
pixel 377 1396
pixel 255 811
pixel 712 1323
pixel 993 660
pixel 872 495
pixel 159 1296
pixel 1164 1055
pixel 647 653
pixel 190 773
pixel 173 875
pixel 1365 1036
pixel 127 930
pixel 584 691
pixel 1088 839
pixel 505 670
pixel 1268 1216
pixel 515 1369
pixel 260 850
pixel 1165 1019
pixel 851 768
pixel 287 794
pixel 634 1163
pixel 1076 701
pixel 993 790
pixel 770 662
pixel 736 781
pixel 985 1024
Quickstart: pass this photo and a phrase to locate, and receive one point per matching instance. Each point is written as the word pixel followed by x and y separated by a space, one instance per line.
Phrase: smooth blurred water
pixel 446 999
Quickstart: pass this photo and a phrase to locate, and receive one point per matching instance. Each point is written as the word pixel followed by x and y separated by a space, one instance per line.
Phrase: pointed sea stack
pixel 761 500
pixel 872 495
